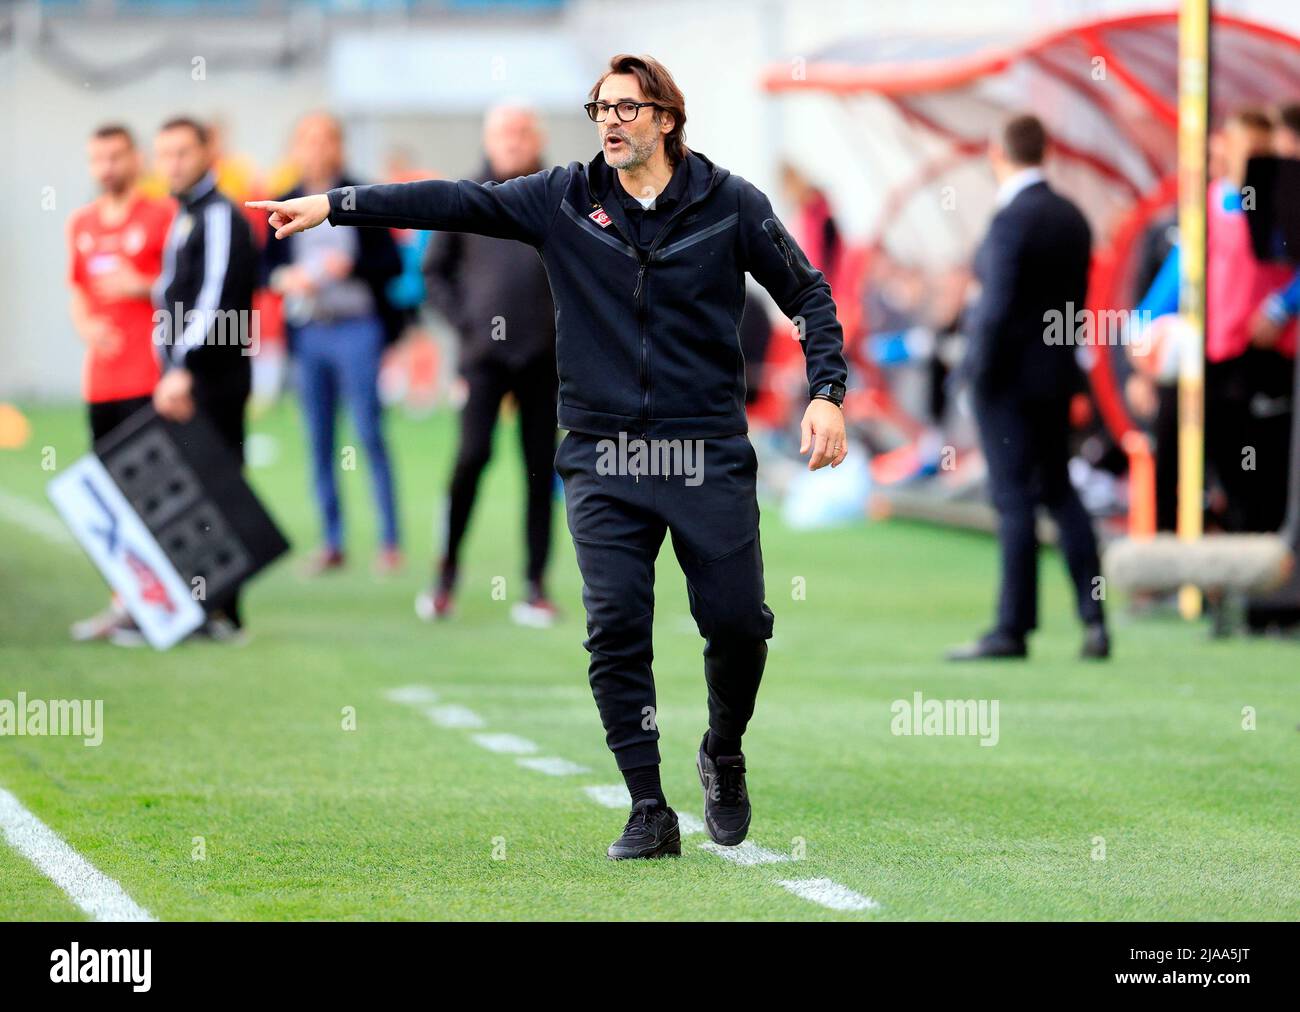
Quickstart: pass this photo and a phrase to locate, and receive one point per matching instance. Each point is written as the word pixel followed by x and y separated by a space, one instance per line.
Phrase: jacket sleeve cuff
pixel 339 203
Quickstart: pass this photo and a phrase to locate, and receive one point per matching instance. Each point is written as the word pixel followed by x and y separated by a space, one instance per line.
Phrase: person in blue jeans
pixel 334 282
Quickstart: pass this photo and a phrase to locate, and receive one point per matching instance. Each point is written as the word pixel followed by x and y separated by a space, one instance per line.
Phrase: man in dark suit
pixel 1022 366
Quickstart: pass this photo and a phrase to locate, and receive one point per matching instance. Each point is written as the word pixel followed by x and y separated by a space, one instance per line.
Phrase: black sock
pixel 717 745
pixel 643 784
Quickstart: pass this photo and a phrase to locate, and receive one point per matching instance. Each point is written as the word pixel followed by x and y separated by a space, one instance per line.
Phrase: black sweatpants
pixel 1026 446
pixel 535 389
pixel 618 522
pixel 105 416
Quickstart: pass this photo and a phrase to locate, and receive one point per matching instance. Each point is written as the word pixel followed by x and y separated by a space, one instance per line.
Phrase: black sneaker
pixel 726 801
pixel 651 831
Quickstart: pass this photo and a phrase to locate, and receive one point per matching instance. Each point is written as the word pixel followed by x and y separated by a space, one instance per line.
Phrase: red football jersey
pixel 98 249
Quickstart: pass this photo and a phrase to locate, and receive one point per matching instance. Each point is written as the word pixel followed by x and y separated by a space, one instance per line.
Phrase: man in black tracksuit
pixel 205 298
pixel 646 248
pixel 496 295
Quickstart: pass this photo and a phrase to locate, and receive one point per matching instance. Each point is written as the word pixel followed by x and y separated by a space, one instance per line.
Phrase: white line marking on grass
pixel 828 893
pixel 610 795
pixel 416 695
pixel 746 853
pixel 87 886
pixel 553 766
pixel 508 743
pixel 40 521
pixel 453 715
pixel 688 823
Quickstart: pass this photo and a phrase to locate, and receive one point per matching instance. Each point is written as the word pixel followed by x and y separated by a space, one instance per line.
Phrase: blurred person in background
pixel 1032 263
pixel 1286 134
pixel 204 325
pixel 646 247
pixel 814 224
pixel 339 320
pixel 495 293
pixel 1249 354
pixel 1282 305
pixel 1151 388
pixel 115 249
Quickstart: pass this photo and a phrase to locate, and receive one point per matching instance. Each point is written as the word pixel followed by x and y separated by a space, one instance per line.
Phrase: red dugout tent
pixel 1107 90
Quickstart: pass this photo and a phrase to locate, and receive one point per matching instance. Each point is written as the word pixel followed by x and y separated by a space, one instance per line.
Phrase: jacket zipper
pixel 643 260
pixel 645 345
pixel 786 254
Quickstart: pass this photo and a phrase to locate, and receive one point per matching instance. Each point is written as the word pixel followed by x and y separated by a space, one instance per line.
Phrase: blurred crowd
pixel 348 309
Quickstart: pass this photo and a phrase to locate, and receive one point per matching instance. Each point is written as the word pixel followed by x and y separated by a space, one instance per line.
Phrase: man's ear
pixel 666 122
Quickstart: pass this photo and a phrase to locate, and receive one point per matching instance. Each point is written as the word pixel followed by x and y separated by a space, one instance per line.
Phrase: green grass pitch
pixel 242 752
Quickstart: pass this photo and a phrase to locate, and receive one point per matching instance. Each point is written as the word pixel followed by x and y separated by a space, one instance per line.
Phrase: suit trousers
pixel 1026 445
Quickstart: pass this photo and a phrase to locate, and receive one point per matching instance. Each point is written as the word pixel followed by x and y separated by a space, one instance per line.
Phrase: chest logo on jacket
pixel 600 218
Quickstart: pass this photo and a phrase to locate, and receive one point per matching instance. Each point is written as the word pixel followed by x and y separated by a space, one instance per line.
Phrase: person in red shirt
pixel 116 248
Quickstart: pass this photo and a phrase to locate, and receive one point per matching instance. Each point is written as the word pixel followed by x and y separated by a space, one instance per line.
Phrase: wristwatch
pixel 833 392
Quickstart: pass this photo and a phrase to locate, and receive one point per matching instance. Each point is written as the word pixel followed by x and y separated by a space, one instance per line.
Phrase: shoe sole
pixel 670 847
pixel 735 837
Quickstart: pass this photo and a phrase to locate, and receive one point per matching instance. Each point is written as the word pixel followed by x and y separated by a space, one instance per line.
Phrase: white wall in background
pixel 717 49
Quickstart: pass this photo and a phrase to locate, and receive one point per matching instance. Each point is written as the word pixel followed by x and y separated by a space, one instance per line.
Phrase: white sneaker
pixel 127 634
pixel 536 614
pixel 220 629
pixel 99 626
pixel 433 606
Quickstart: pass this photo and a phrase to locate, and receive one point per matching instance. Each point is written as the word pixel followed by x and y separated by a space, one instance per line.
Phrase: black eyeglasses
pixel 627 111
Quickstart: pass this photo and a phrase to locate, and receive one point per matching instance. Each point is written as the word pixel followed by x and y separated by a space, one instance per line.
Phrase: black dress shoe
pixel 996 645
pixel 1096 643
pixel 651 831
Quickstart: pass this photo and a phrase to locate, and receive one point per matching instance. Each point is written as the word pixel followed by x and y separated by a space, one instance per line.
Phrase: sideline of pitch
pixel 85 885
pixel 824 892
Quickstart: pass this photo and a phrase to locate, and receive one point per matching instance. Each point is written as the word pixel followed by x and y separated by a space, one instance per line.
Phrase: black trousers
pixel 1248 435
pixel 1165 430
pixel 105 416
pixel 222 401
pixel 618 522
pixel 1026 445
pixel 535 389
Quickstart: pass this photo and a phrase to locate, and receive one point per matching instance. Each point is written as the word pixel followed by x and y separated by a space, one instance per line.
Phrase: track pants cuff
pixel 642 753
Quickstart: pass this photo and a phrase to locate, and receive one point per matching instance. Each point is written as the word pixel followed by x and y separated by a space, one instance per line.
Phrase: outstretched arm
pixel 522 209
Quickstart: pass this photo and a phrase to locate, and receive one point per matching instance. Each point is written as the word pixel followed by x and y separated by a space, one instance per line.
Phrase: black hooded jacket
pixel 646 338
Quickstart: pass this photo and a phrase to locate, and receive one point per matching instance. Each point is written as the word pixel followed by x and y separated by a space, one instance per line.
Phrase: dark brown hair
pixel 1252 118
pixel 186 123
pixel 1024 139
pixel 107 130
pixel 659 87
pixel 1288 116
